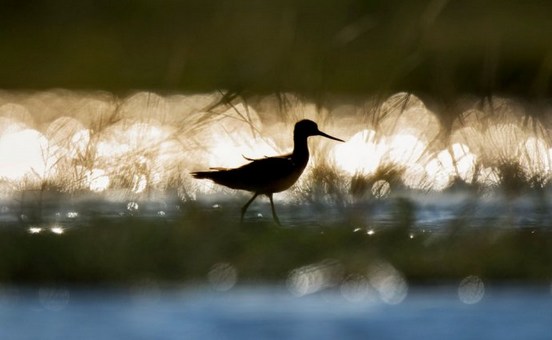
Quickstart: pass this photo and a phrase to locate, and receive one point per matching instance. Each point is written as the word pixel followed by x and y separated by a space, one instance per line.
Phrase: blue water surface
pixel 271 313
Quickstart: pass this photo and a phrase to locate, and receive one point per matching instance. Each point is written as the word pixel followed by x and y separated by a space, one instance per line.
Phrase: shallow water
pixel 272 313
pixel 428 211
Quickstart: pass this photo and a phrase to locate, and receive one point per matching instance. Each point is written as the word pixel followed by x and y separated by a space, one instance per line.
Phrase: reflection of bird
pixel 268 175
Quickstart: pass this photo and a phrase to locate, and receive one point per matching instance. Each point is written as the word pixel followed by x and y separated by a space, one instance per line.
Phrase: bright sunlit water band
pixel 97 142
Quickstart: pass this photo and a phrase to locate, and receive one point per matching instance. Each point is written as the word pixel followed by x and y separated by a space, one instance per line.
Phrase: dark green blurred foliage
pixel 404 213
pixel 182 251
pixel 438 47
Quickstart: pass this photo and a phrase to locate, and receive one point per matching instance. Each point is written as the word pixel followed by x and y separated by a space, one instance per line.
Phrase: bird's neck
pixel 300 153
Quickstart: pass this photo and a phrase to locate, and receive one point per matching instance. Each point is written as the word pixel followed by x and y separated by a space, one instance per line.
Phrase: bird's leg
pixel 244 208
pixel 273 210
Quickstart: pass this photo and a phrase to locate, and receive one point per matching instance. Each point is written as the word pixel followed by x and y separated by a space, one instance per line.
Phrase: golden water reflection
pixel 97 142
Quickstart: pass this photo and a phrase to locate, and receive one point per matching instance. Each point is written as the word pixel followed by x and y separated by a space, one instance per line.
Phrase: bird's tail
pixel 226 177
pixel 203 174
pixel 212 173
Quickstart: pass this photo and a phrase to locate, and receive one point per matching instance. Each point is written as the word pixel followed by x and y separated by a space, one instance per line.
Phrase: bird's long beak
pixel 320 133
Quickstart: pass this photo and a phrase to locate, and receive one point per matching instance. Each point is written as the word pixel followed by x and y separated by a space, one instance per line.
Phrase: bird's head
pixel 306 128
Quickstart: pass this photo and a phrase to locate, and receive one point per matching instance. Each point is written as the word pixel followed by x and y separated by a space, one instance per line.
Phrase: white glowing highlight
pixel 35 230
pixel 405 149
pixel 97 180
pixel 72 214
pixel 359 155
pixel 140 183
pixel 57 230
pixel 132 206
pixel 23 153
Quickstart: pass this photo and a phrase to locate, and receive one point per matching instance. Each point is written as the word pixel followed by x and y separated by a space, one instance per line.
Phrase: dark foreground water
pixel 272 313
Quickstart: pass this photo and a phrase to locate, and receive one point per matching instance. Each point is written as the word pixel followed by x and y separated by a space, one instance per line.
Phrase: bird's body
pixel 263 176
pixel 269 175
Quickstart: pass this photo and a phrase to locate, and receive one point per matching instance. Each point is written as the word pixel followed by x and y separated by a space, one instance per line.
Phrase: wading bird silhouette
pixel 268 175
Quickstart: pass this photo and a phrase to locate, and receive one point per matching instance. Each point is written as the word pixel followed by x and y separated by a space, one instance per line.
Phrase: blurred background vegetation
pixel 434 47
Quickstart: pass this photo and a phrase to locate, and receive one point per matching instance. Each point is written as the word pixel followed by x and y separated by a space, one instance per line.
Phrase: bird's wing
pixel 266 157
pixel 254 176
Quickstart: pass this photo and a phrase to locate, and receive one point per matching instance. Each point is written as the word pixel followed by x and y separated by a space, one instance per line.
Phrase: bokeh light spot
pixel 54 298
pixel 471 290
pixel 222 276
pixel 314 277
pixel 357 288
pixel 388 282
pixel 381 189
